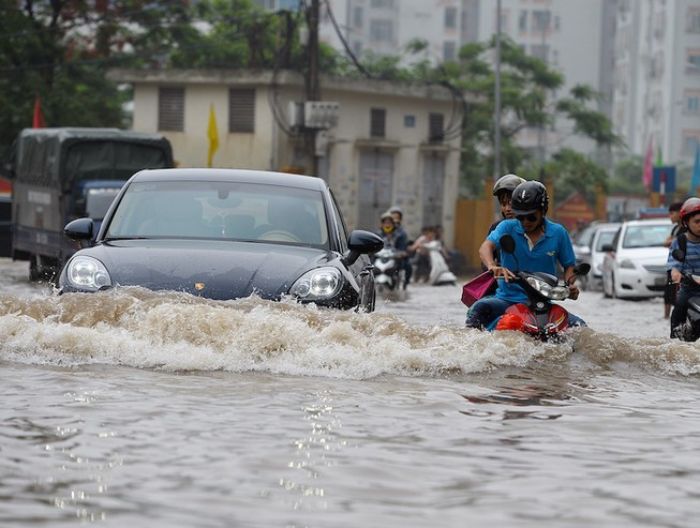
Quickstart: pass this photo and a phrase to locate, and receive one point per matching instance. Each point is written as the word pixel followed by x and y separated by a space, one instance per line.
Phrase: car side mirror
pixel 79 229
pixel 507 244
pixel 608 248
pixel 360 243
pixel 678 254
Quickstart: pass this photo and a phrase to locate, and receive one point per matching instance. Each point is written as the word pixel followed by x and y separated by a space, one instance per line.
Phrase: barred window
pixel 241 110
pixel 377 126
pixel 171 108
pixel 436 125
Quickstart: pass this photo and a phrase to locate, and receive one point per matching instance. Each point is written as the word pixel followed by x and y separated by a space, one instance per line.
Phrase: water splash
pixel 179 332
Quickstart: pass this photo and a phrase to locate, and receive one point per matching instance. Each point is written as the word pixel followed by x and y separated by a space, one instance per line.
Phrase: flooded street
pixel 133 408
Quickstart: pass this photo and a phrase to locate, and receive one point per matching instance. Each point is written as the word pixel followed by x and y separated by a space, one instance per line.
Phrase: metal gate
pixel 433 189
pixel 376 179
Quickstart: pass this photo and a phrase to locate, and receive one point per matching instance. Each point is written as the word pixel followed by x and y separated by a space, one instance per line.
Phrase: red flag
pixel 648 166
pixel 38 120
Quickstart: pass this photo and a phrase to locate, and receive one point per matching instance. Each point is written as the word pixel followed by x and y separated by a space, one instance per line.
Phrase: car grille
pixel 653 268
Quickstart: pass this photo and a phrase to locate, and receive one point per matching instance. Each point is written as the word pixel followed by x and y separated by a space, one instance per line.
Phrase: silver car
pixel 603 236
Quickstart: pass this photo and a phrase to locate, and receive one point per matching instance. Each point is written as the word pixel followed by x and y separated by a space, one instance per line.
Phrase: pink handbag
pixel 478 287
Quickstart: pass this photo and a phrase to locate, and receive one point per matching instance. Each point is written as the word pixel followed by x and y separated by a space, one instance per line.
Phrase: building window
pixel 171 109
pixel 357 47
pixel 449 50
pixel 692 20
pixel 504 21
pixel 381 31
pixel 541 51
pixel 436 128
pixel 377 124
pixel 383 4
pixel 357 17
pixel 692 101
pixel 691 142
pixel 692 61
pixel 522 21
pixel 409 121
pixel 540 20
pixel 557 23
pixel 450 18
pixel 241 110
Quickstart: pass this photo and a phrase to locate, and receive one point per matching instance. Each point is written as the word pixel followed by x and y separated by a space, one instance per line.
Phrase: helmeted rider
pixel 539 245
pixel 690 219
pixel 402 240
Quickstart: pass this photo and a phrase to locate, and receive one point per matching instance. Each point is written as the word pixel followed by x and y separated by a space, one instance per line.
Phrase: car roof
pixel 231 175
pixel 648 221
pixel 608 226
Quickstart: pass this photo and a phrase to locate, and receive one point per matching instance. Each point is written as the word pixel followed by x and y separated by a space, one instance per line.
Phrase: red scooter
pixel 539 317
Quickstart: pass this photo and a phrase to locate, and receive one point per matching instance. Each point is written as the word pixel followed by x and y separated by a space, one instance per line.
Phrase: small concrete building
pixel 391 144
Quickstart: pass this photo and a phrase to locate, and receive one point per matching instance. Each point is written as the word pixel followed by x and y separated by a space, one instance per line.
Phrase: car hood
pixel 212 269
pixel 645 255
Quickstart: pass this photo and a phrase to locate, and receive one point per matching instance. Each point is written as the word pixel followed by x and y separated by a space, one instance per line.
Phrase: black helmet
pixel 507 183
pixel 529 197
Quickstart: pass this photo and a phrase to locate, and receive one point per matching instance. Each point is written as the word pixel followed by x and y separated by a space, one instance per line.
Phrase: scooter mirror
pixel 582 269
pixel 507 244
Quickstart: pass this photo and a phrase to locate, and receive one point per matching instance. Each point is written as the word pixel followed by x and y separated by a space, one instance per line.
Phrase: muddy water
pixel 133 408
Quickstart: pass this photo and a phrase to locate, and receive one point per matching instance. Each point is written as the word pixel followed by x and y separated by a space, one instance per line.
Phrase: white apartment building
pixel 385 27
pixel 391 144
pixel 573 37
pixel 657 77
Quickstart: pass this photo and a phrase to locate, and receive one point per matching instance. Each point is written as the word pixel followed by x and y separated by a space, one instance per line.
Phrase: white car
pixel 634 265
pixel 603 235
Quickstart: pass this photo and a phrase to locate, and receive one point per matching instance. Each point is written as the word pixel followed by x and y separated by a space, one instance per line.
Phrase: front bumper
pixel 642 281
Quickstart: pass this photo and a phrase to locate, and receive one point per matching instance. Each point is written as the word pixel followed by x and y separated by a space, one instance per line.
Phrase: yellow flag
pixel 213 134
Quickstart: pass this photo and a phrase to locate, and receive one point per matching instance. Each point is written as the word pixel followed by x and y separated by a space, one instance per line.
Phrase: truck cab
pixel 60 174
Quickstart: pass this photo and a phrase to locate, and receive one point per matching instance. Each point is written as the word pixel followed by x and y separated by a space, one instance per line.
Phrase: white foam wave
pixel 175 332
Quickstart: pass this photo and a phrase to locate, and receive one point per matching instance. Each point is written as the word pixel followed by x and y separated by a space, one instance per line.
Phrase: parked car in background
pixel 225 234
pixel 582 243
pixel 603 236
pixel 634 265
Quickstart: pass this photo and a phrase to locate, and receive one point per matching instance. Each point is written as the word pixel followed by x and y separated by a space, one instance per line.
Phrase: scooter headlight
pixel 555 293
pixel 87 273
pixel 317 284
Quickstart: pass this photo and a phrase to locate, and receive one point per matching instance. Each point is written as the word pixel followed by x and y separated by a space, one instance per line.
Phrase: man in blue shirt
pixel 539 245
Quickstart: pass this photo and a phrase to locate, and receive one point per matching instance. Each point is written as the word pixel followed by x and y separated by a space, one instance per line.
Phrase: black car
pixel 225 234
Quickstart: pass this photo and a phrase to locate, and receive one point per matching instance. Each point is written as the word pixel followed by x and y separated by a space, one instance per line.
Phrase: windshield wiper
pixel 126 238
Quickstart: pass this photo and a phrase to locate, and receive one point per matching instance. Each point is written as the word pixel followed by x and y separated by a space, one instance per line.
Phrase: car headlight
pixel 627 264
pixel 317 284
pixel 556 293
pixel 87 273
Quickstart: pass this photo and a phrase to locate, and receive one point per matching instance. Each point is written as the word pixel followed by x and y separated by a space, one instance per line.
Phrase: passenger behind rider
pixel 503 191
pixel 690 219
pixel 539 245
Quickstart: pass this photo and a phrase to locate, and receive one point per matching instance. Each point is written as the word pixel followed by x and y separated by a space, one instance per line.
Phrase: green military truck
pixel 59 174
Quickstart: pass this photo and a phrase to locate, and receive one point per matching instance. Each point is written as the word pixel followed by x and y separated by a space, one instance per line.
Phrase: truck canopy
pixel 59 157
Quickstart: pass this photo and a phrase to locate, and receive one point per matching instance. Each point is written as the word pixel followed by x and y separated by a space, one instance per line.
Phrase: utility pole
pixel 497 99
pixel 312 84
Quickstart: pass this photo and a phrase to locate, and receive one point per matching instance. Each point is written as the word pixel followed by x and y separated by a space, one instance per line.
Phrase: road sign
pixel 663 180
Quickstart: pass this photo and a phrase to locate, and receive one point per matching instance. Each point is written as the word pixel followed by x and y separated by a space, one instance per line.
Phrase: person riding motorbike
pixel 539 244
pixel 402 240
pixel 690 264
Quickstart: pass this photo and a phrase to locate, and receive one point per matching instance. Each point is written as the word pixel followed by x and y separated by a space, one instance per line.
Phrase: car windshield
pixel 652 235
pixel 584 237
pixel 221 210
pixel 605 238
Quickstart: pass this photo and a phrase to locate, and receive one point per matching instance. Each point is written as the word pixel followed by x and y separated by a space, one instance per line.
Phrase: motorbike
pixel 439 271
pixel 539 317
pixel 389 275
pixel 690 329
